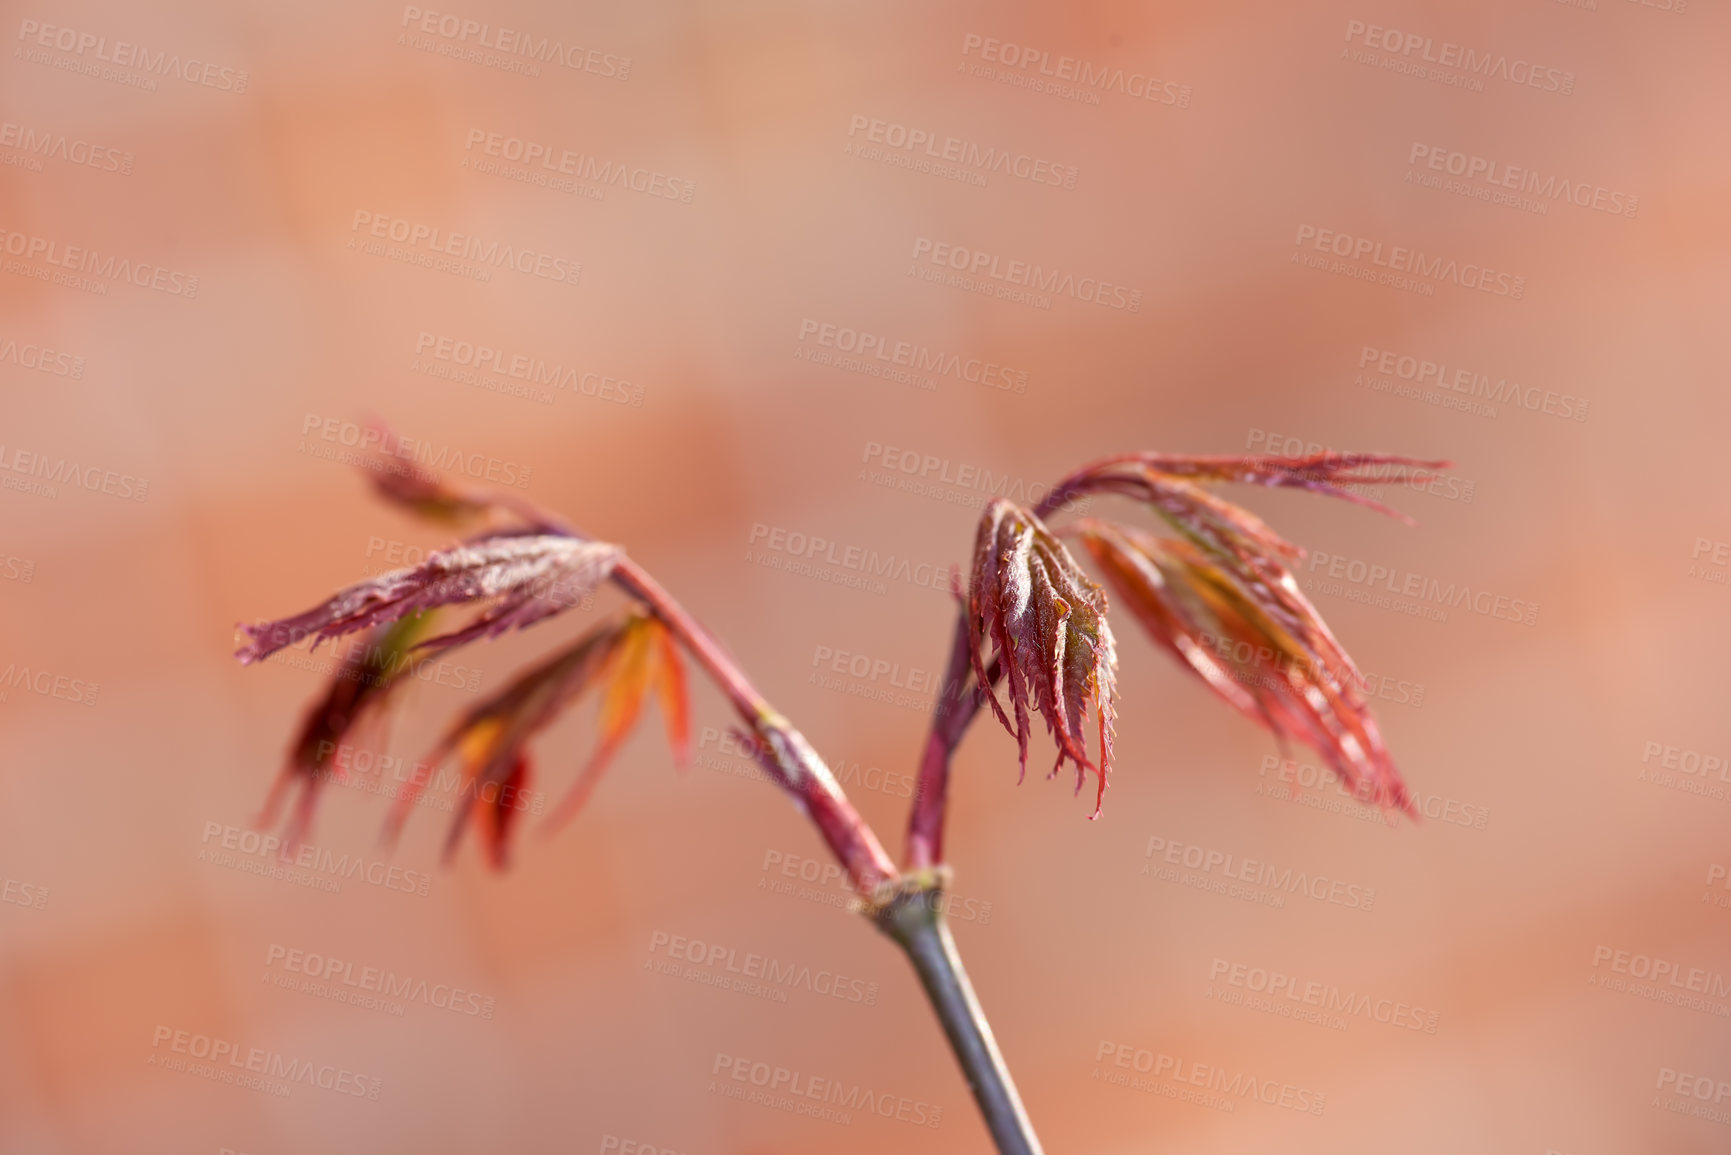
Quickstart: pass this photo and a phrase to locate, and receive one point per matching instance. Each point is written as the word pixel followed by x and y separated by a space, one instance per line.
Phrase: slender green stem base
pixel 914 918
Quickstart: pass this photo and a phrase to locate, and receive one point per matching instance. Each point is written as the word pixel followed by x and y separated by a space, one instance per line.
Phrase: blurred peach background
pixel 1574 768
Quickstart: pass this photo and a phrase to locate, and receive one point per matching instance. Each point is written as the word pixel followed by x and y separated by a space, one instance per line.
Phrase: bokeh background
pixel 1541 966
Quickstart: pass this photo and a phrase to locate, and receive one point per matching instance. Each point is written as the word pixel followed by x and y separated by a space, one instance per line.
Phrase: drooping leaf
pixel 396 477
pixel 672 697
pixel 1234 539
pixel 1325 473
pixel 491 739
pixel 645 657
pixel 1270 657
pixel 359 691
pixel 402 481
pixel 1046 621
pixel 498 815
pixel 525 577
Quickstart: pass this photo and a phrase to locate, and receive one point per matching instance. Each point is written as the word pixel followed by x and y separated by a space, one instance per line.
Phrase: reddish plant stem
pixel 959 699
pixel 728 677
pixel 905 907
pixel 796 765
pixel 789 757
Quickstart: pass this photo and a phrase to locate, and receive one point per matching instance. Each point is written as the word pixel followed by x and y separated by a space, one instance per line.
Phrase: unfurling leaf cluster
pixel 1218 597
pixel 1046 620
pixel 518 577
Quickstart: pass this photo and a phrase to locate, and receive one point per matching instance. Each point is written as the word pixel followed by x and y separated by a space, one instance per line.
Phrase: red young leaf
pixel 1326 473
pixel 1235 540
pixel 1047 623
pixel 398 479
pixel 491 739
pixel 644 656
pixel 526 577
pixel 358 692
pixel 497 814
pixel 670 694
pixel 1257 642
pixel 390 466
